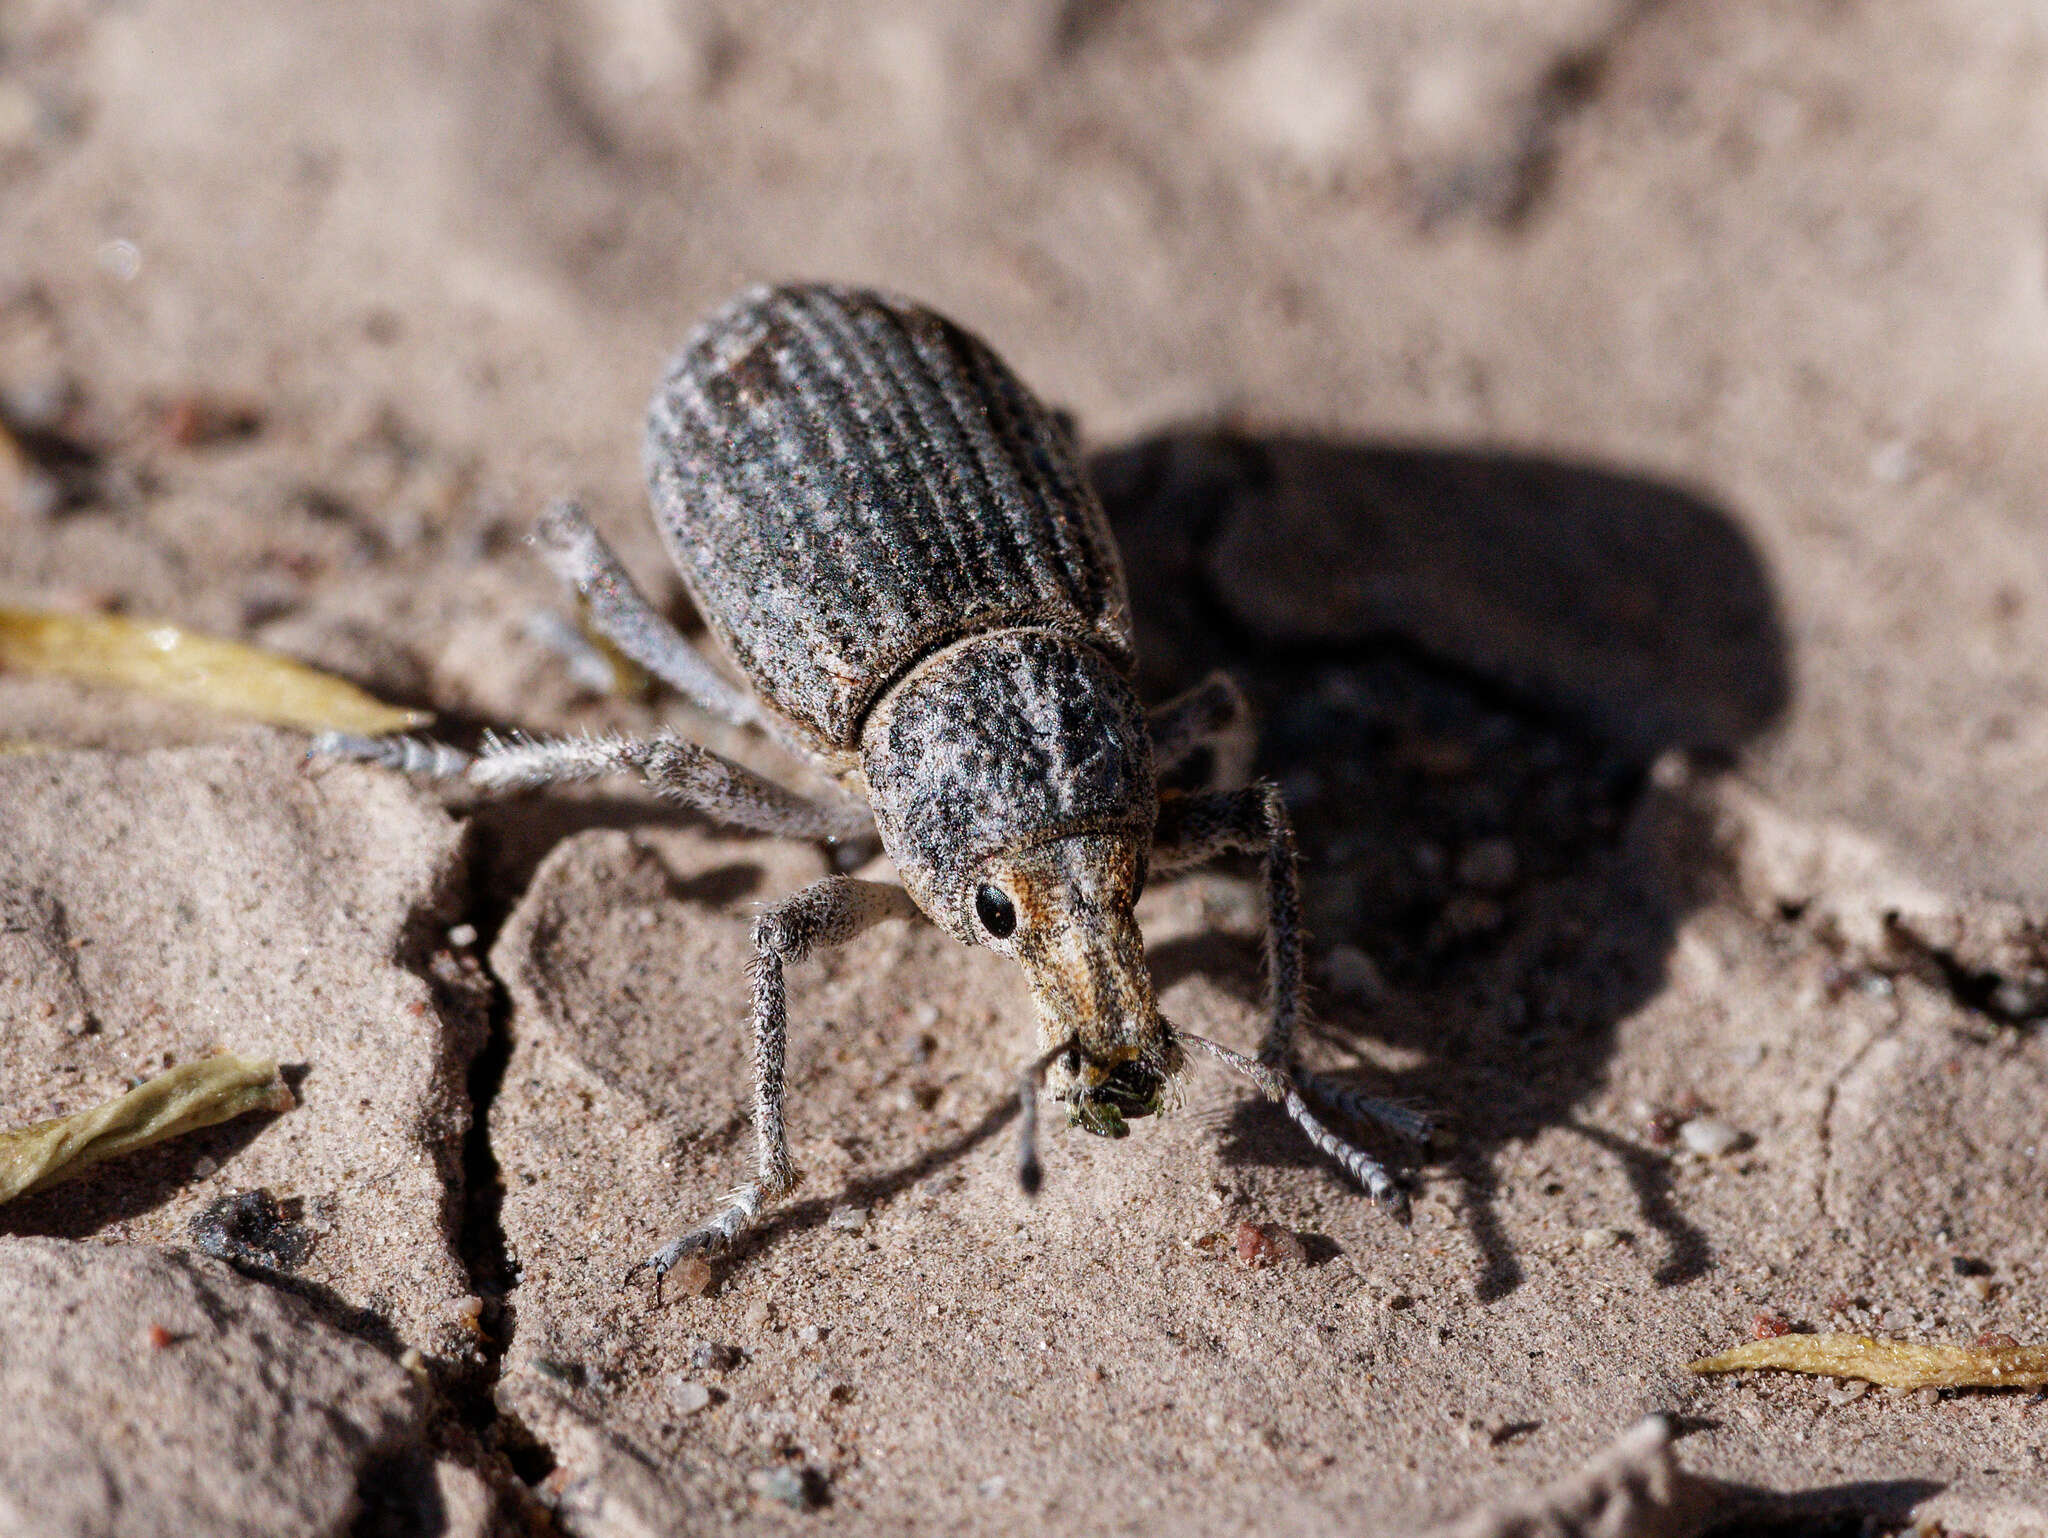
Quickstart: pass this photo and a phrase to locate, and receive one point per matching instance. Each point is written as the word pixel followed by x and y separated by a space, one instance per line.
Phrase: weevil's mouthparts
pixel 1276 1085
pixel 1029 1174
pixel 1133 1089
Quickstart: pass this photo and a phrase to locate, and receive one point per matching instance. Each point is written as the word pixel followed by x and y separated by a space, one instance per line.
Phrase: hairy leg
pixel 1202 740
pixel 828 912
pixel 1254 821
pixel 674 768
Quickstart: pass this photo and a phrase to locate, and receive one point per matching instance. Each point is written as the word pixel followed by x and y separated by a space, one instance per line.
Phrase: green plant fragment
pixel 183 1099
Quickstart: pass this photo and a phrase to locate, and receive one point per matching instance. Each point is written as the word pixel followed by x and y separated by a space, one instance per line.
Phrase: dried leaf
pixel 184 1099
pixel 176 664
pixel 1889 1363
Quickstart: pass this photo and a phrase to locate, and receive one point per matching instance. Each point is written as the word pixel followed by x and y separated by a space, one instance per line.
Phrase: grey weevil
pixel 895 544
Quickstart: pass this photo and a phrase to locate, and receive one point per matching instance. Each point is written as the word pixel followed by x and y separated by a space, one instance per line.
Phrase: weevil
pixel 895 545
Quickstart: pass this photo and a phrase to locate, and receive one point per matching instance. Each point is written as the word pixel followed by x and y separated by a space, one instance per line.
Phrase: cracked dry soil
pixel 1603 437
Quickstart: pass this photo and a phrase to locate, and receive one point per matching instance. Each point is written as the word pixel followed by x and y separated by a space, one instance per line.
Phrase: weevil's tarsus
pixel 407 755
pixel 1279 1086
pixel 575 553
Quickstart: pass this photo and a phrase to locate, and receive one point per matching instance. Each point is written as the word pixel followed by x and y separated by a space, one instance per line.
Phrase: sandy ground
pixel 1607 440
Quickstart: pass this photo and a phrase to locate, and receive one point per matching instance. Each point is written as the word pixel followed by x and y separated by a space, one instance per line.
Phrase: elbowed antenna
pixel 1274 1085
pixel 1029 1174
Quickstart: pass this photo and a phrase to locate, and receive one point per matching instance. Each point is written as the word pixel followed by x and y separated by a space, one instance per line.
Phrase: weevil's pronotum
pixel 895 544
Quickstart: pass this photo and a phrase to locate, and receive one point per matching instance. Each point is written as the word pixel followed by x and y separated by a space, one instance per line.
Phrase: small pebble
pixel 1767 1326
pixel 1978 1288
pixel 1599 1238
pixel 462 936
pixel 792 1487
pixel 1709 1138
pixel 1847 1392
pixel 847 1220
pixel 1259 1245
pixel 688 1396
pixel 810 1335
pixel 710 1356
pixel 160 1339
pixel 690 1277
pixel 205 1167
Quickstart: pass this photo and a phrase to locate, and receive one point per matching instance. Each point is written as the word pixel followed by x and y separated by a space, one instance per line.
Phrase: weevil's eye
pixel 998 916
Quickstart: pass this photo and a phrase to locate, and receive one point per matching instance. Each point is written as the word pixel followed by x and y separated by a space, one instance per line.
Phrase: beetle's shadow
pixel 1464 666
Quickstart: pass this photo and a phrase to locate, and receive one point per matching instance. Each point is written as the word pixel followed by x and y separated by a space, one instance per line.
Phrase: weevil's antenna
pixel 1029 1175
pixel 1275 1085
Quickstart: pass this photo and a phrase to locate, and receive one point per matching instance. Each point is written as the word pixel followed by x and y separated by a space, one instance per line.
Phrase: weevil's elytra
pixel 896 546
pixel 848 483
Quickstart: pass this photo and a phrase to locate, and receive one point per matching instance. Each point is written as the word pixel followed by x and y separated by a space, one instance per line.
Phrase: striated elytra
pixel 894 544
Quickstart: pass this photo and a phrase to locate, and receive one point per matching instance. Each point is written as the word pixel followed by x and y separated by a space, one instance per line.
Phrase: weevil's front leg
pixel 1202 740
pixel 1192 829
pixel 674 768
pixel 580 557
pixel 828 912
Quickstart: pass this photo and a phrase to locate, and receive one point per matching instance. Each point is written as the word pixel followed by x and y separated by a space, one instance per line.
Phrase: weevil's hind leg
pixel 675 769
pixel 1202 740
pixel 1254 820
pixel 828 912
pixel 580 557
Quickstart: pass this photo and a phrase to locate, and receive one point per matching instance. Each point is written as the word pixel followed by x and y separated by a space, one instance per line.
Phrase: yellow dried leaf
pixel 1889 1363
pixel 175 664
pixel 184 1099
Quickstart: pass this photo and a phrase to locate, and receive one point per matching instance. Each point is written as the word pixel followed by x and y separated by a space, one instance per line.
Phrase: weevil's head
pixel 1011 778
pixel 1063 910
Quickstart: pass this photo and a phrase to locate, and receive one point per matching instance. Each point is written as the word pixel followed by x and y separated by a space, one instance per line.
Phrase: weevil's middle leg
pixel 828 912
pixel 1254 820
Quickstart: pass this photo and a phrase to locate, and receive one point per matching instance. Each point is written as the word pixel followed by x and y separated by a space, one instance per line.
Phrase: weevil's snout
pixel 1067 906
